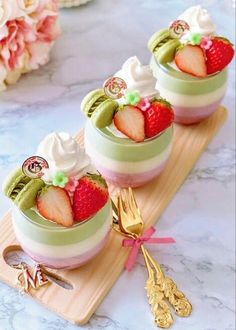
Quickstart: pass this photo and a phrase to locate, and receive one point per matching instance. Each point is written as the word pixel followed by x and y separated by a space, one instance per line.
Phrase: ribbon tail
pixel 132 258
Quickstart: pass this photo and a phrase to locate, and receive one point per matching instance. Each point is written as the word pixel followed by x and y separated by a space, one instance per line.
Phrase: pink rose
pixel 28 30
pixel 48 29
pixel 19 34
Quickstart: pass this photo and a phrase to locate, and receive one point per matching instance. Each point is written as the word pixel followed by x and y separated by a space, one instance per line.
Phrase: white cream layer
pixel 184 100
pixel 63 251
pixel 135 167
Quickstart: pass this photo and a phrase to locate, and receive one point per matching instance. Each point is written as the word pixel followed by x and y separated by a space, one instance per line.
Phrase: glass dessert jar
pixel 123 162
pixel 59 247
pixel 192 98
pixel 62 212
pixel 189 61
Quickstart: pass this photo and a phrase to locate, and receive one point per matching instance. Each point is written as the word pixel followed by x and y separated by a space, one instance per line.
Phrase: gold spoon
pixel 131 222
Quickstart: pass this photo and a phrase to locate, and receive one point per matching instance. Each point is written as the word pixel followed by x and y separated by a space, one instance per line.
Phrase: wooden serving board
pixel 92 282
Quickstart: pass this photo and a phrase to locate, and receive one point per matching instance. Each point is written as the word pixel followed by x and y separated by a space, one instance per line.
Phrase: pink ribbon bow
pixel 136 244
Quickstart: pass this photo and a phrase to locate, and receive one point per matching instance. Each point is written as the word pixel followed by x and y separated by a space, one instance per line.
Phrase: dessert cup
pixel 193 99
pixel 62 212
pixel 58 247
pixel 72 3
pixel 123 162
pixel 128 134
pixel 189 61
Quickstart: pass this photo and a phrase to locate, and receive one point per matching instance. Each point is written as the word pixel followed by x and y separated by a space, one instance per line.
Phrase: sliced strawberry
pixel 219 55
pixel 191 59
pixel 130 121
pixel 158 117
pixel 90 195
pixel 53 203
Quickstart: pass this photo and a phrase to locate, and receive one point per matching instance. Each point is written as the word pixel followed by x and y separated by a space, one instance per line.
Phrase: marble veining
pixel 96 40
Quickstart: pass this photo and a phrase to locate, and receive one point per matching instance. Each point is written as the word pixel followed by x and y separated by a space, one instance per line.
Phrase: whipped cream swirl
pixel 199 20
pixel 64 154
pixel 138 77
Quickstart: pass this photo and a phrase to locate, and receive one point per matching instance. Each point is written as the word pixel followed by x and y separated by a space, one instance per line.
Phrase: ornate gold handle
pixel 159 307
pixel 176 298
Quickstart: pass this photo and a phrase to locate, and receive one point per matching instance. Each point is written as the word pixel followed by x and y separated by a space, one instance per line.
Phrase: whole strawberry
pixel 219 55
pixel 158 117
pixel 90 195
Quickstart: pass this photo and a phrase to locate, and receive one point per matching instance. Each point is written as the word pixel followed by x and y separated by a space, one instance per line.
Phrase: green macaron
pixel 21 189
pixel 14 179
pixel 166 52
pixel 163 46
pixel 26 198
pixel 92 100
pixel 158 39
pixel 103 115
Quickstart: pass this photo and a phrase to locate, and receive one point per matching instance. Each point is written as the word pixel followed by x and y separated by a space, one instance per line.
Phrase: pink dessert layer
pixel 67 263
pixel 130 180
pixel 193 115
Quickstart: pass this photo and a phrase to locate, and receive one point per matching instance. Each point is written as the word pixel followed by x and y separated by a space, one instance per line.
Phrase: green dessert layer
pixel 125 150
pixel 38 229
pixel 182 83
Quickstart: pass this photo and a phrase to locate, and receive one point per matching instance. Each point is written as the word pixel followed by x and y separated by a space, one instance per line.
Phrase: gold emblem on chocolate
pixel 178 28
pixel 115 87
pixel 34 166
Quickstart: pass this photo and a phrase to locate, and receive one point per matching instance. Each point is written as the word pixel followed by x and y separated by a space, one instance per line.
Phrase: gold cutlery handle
pixel 176 298
pixel 169 288
pixel 159 307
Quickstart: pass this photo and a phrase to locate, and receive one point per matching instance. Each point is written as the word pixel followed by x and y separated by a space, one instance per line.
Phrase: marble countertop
pixel 96 40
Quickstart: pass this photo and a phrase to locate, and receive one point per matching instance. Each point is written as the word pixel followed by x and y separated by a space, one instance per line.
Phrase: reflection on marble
pixel 96 40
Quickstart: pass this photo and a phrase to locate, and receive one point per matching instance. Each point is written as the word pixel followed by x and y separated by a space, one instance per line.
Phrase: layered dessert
pixel 190 63
pixel 62 212
pixel 71 3
pixel 128 133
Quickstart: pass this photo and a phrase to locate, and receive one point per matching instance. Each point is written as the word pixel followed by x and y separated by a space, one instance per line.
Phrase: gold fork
pixel 130 221
pixel 160 309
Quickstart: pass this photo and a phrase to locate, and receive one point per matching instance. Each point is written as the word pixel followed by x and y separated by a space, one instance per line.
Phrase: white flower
pixel 5 12
pixel 13 76
pixel 3 74
pixel 3 32
pixel 10 10
pixel 39 52
pixel 28 6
